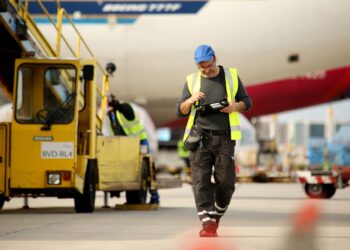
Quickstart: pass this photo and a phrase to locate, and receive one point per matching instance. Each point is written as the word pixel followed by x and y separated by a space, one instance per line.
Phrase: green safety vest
pixel 194 85
pixel 133 127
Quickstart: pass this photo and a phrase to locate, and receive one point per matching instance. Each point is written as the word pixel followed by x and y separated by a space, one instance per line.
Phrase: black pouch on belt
pixel 194 139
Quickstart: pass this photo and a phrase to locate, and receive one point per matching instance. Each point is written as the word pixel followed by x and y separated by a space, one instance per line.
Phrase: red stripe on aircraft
pixel 298 92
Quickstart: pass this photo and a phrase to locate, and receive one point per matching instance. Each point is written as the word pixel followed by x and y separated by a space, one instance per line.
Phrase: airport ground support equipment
pixel 329 167
pixel 322 184
pixel 54 145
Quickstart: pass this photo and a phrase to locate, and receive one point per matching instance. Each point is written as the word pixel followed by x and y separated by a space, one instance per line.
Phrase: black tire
pixel 320 191
pixel 139 196
pixel 330 191
pixel 260 178
pixel 2 202
pixel 85 202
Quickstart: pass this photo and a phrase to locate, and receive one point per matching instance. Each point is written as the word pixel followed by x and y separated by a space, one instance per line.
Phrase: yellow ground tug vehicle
pixel 54 146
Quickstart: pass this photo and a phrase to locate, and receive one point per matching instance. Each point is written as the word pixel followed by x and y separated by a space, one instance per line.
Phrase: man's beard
pixel 214 74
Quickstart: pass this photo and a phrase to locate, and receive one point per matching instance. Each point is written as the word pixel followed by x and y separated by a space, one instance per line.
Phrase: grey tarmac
pixel 260 216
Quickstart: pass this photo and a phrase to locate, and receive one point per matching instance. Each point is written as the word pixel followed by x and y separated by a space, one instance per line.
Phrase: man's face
pixel 208 68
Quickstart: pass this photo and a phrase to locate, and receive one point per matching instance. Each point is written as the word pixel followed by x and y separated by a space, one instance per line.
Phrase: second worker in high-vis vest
pixel 202 97
pixel 124 121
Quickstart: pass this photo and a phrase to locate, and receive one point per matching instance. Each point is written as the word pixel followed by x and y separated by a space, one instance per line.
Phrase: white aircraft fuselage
pixel 266 40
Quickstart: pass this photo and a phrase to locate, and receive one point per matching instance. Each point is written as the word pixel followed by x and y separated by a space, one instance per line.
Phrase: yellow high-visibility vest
pixel 181 150
pixel 133 127
pixel 231 78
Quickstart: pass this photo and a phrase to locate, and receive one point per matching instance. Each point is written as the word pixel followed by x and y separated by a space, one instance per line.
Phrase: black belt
pixel 217 132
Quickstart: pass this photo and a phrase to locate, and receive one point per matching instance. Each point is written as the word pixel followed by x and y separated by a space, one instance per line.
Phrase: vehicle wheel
pixel 85 202
pixel 2 202
pixel 139 196
pixel 320 191
pixel 260 178
pixel 330 190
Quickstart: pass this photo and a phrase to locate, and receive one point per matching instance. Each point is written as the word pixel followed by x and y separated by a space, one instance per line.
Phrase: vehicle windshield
pixel 45 94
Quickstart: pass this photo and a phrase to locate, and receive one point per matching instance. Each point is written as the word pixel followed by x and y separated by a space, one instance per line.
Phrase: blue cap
pixel 203 53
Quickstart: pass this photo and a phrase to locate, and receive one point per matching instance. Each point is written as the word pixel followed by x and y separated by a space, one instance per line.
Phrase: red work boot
pixel 209 229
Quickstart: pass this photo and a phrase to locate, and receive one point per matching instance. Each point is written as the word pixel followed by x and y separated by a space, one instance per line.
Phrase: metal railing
pixel 22 10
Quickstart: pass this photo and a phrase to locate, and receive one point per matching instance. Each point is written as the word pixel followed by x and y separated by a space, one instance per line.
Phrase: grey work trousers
pixel 215 154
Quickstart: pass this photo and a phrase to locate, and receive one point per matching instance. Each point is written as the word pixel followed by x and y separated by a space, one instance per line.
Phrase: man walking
pixel 212 98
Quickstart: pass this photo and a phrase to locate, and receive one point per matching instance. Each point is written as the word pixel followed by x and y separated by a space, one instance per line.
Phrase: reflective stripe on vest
pixel 193 84
pixel 231 78
pixel 133 127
